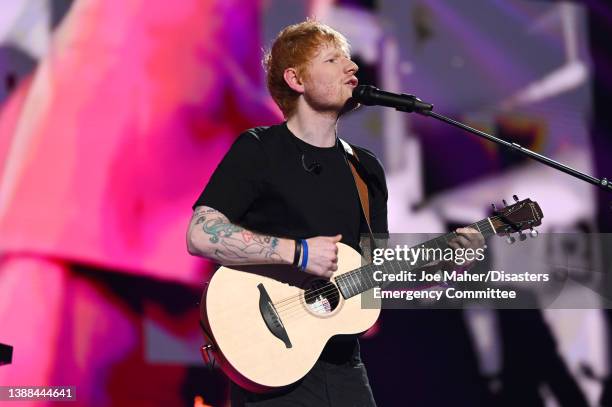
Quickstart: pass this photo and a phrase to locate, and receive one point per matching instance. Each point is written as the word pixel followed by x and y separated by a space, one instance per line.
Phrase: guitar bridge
pixel 271 317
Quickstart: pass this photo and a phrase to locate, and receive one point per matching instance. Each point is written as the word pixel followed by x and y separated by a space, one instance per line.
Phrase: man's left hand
pixel 467 238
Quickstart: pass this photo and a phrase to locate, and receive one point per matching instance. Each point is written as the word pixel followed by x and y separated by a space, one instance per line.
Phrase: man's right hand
pixel 322 255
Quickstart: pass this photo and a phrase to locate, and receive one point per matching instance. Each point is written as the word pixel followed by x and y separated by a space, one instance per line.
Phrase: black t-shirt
pixel 262 185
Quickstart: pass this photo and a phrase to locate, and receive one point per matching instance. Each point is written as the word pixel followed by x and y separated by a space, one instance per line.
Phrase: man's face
pixel 329 79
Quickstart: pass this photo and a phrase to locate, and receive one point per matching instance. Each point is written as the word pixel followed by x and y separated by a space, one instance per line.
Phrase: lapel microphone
pixel 313 168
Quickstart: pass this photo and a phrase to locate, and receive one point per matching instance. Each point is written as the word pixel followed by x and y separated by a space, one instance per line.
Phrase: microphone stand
pixel 427 111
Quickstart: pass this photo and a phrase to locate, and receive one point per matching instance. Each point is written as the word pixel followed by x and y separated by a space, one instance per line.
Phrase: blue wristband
pixel 304 255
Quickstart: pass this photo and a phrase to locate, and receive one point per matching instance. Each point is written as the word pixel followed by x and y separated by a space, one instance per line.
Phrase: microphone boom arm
pixel 603 183
pixel 371 96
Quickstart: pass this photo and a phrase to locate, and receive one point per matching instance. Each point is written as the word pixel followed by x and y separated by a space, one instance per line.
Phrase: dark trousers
pixel 326 385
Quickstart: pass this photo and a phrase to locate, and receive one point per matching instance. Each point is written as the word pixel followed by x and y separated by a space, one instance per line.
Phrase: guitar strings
pixel 332 291
pixel 291 303
pixel 316 292
pixel 287 315
pixel 333 297
pixel 328 288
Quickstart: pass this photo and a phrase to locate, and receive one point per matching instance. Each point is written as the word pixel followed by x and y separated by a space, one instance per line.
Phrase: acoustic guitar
pixel 267 325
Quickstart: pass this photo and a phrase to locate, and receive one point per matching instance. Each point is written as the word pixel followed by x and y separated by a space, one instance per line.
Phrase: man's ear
pixel 293 80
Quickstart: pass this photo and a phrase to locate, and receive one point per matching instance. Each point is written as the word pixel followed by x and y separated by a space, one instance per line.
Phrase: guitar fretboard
pixel 360 280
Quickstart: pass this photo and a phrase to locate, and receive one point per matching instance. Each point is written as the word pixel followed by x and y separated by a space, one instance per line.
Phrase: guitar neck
pixel 360 280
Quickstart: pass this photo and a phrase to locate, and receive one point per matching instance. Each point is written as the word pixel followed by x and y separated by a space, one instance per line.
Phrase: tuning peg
pixel 494 208
pixel 515 198
pixel 522 236
pixel 505 203
pixel 510 239
pixel 534 233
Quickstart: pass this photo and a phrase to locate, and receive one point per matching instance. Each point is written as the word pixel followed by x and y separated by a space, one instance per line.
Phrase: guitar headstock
pixel 520 216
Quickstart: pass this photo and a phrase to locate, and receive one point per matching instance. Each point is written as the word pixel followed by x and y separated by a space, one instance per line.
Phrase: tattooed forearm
pixel 219 228
pixel 232 244
pixel 199 214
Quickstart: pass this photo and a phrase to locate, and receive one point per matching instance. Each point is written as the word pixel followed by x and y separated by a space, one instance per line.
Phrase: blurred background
pixel 113 115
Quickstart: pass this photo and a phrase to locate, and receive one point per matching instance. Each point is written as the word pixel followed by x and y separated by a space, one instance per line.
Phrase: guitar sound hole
pixel 322 297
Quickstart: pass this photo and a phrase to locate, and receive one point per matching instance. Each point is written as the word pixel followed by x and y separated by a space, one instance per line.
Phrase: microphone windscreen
pixel 362 94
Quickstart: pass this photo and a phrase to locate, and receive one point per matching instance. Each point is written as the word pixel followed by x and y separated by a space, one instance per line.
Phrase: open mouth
pixel 352 82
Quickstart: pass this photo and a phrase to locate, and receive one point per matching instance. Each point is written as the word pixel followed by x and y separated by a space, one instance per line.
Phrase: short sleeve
pixel 236 182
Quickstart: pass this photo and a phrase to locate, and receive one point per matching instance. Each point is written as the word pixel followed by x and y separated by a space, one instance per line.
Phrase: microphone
pixel 315 167
pixel 371 96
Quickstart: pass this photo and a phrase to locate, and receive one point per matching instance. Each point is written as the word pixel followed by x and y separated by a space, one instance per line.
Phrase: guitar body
pixel 269 324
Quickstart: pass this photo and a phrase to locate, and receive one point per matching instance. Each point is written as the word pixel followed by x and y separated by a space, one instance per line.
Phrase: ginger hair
pixel 294 47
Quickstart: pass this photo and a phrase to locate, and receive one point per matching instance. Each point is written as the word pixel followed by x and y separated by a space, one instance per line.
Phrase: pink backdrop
pixel 105 148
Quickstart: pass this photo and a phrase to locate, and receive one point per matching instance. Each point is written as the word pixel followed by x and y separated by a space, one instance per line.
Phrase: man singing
pixel 285 189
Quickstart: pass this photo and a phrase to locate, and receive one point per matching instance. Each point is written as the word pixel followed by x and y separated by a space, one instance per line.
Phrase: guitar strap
pixel 362 187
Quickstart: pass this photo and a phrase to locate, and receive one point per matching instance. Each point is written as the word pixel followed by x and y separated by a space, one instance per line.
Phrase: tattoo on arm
pixel 233 242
